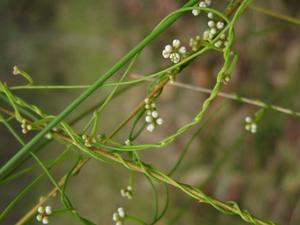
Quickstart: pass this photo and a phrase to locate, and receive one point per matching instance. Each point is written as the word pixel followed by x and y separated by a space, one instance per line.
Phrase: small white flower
pixel 115 217
pixel 248 119
pixel 223 36
pixel 195 12
pixel 182 50
pixel 119 223
pixel 210 15
pixel 16 70
pixel 166 54
pixel 150 127
pixel 206 35
pixel 211 24
pixel 220 25
pixel 253 128
pixel 154 114
pixel 121 212
pixel 148 119
pixel 45 220
pixel 48 210
pixel 202 4
pixel 39 217
pixel 176 43
pixel 213 31
pixel 41 210
pixel 48 136
pixel 127 142
pixel 218 44
pixel 159 121
pixel 147 100
pixel 168 48
pixel 175 57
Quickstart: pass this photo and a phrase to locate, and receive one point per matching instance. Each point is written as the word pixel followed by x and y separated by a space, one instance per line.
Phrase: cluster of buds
pixel 152 118
pixel 195 43
pixel 87 142
pixel 127 142
pixel 127 192
pixel 49 135
pixel 171 76
pixel 215 27
pixel 174 52
pixel 25 126
pixel 251 125
pixel 43 214
pixel 119 216
pixel 202 4
pixel 226 79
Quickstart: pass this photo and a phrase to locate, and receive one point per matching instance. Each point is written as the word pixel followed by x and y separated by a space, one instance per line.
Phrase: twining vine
pixel 219 36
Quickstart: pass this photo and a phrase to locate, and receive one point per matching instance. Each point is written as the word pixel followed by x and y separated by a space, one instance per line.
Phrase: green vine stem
pixel 224 207
pixel 236 97
pixel 23 152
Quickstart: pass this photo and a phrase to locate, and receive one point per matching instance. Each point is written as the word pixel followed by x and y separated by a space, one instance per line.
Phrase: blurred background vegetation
pixel 74 42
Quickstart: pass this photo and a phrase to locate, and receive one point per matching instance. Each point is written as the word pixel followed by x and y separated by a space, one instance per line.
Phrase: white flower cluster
pixel 127 142
pixel 214 28
pixel 174 52
pixel 43 214
pixel 86 140
pixel 195 43
pixel 250 126
pixel 119 216
pixel 152 118
pixel 202 4
pixel 127 192
pixel 25 126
